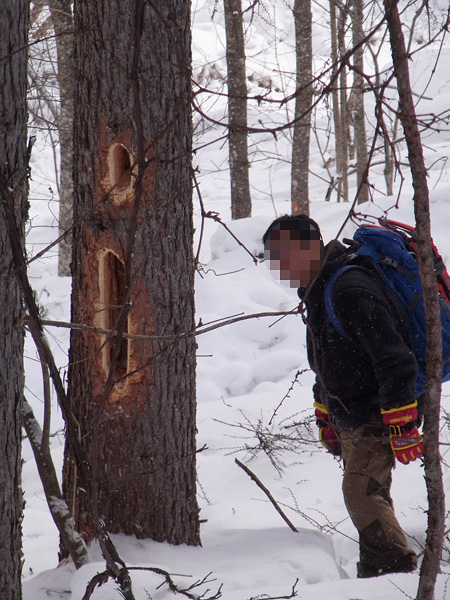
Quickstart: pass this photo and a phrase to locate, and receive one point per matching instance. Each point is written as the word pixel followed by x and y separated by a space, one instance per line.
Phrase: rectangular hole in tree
pixel 112 287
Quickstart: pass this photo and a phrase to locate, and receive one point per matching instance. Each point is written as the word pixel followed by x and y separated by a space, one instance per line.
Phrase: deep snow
pixel 244 372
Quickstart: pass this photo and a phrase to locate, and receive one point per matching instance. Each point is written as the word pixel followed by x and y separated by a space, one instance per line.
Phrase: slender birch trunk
pixel 357 14
pixel 432 459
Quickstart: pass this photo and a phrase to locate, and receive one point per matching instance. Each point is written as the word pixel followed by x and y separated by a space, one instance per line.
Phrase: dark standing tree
pixel 432 460
pixel 303 102
pixel 133 271
pixel 14 203
pixel 241 204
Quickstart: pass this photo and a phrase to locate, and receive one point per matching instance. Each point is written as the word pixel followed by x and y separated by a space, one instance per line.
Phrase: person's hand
pixel 406 440
pixel 407 446
pixel 328 434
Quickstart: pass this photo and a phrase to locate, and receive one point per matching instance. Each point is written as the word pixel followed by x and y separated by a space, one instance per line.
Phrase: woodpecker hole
pixel 112 292
pixel 120 172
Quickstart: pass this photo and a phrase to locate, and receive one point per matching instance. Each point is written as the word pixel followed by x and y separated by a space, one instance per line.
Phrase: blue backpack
pixel 392 250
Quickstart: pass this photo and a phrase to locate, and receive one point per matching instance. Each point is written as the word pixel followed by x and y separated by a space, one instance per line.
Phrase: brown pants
pixel 368 463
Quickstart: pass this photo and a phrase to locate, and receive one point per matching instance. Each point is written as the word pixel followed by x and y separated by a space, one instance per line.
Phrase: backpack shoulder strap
pixel 329 304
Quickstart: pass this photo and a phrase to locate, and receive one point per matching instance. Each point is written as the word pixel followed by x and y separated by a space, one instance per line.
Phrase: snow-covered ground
pixel 253 378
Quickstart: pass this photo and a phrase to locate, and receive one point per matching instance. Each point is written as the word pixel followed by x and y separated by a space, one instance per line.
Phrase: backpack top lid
pixel 387 248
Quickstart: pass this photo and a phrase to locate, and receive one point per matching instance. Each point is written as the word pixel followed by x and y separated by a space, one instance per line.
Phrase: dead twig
pixel 288 393
pixel 101 578
pixel 268 494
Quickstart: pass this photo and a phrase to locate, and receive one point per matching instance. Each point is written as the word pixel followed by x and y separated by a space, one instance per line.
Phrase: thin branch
pixel 268 494
pixel 195 332
pixel 50 246
pixel 215 217
pixel 288 393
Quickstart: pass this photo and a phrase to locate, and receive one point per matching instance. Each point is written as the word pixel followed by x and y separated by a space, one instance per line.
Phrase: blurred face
pixel 296 261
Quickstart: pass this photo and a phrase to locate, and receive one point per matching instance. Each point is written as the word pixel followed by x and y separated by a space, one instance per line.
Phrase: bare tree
pixel 62 19
pixel 133 269
pixel 388 134
pixel 342 144
pixel 335 96
pixel 432 460
pixel 303 103
pixel 359 116
pixel 51 102
pixel 241 204
pixel 13 183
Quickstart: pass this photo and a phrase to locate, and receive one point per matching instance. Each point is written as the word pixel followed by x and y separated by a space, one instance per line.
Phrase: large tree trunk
pixel 241 204
pixel 62 19
pixel 303 102
pixel 432 460
pixel 13 183
pixel 133 270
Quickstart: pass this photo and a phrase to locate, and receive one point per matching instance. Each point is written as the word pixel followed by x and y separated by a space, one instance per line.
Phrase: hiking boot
pixel 405 564
pixel 365 570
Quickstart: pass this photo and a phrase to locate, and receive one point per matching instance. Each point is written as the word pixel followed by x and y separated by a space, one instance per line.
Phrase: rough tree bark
pixel 432 460
pixel 303 103
pixel 343 143
pixel 359 116
pixel 62 19
pixel 133 270
pixel 241 204
pixel 13 180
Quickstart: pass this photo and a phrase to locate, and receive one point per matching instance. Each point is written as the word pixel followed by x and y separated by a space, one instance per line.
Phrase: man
pixel 364 396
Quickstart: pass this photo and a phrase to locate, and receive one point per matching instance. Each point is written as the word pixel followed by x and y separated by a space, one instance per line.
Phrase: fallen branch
pixel 293 594
pixel 268 494
pixel 71 539
pixel 101 578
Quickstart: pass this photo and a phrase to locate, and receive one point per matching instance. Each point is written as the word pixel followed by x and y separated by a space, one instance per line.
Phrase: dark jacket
pixel 372 366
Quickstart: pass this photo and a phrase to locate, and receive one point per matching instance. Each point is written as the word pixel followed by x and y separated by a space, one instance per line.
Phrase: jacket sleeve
pixel 370 321
pixel 318 393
